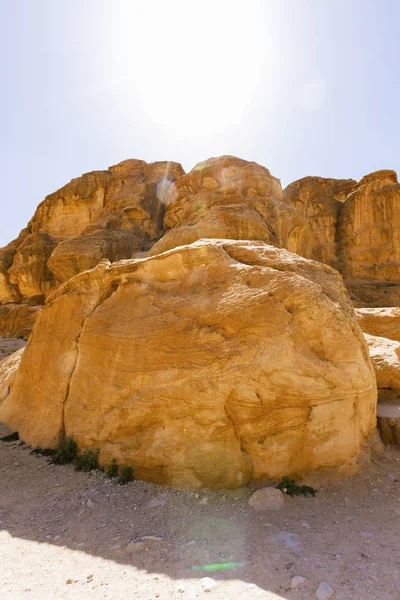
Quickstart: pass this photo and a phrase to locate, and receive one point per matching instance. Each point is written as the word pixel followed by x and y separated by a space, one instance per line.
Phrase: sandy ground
pixel 65 535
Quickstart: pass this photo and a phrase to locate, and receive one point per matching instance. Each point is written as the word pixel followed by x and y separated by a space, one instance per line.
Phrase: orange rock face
pixel 209 365
pixel 357 230
pixel 17 320
pixel 229 198
pixel 320 201
pixel 110 214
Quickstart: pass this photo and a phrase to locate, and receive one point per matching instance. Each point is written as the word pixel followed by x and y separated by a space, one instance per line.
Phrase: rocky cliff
pixel 197 360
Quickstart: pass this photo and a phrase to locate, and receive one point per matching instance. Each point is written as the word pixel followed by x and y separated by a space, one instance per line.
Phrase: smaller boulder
pixel 268 498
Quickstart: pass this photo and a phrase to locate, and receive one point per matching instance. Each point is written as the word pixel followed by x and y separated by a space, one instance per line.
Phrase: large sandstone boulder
pixel 209 365
pixel 230 198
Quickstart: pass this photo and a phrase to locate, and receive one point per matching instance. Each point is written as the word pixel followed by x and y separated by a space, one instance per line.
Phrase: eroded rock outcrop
pixel 319 201
pixel 136 208
pixel 369 240
pixel 385 356
pixel 381 322
pixel 17 320
pixel 112 214
pixel 206 366
pixel 8 369
pixel 356 229
pixel 230 198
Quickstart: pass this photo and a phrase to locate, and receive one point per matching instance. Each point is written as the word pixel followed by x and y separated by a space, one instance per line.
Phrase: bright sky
pixel 303 87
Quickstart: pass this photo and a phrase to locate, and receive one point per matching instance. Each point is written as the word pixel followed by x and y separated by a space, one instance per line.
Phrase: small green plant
pixel 88 461
pixel 288 486
pixel 112 470
pixel 12 437
pixel 66 452
pixel 126 475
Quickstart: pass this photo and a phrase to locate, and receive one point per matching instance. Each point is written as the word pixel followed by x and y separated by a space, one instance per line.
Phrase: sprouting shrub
pixel 88 461
pixel 126 475
pixel 112 470
pixel 288 486
pixel 66 452
pixel 12 437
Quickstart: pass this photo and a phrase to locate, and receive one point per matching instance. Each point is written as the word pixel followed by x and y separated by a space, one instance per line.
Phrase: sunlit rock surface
pixel 230 198
pixel 209 365
pixel 385 356
pixel 134 208
pixel 8 368
pixel 381 322
pixel 369 240
pixel 110 214
pixel 319 201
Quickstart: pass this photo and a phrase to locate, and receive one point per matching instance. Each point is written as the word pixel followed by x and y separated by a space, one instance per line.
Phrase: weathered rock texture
pixel 135 208
pixel 230 198
pixel 382 322
pixel 319 201
pixel 357 230
pixel 206 366
pixel 8 369
pixel 17 320
pixel 385 356
pixel 110 214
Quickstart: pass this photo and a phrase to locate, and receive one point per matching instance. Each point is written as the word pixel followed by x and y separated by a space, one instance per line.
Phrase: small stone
pixel 134 547
pixel 196 495
pixel 207 584
pixel 297 582
pixel 90 503
pixel 267 498
pixel 151 538
pixel 325 592
pixel 159 500
pixel 204 501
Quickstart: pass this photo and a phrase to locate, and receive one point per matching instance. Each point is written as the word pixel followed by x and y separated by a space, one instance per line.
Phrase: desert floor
pixel 65 535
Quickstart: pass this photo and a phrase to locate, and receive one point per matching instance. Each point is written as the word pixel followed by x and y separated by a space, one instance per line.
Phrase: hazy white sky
pixel 304 87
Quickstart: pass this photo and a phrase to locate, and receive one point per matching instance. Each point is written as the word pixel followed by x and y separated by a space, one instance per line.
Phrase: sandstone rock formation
pixel 17 320
pixel 105 214
pixel 385 356
pixel 134 208
pixel 356 230
pixel 319 201
pixel 381 322
pixel 8 369
pixel 209 365
pixel 230 198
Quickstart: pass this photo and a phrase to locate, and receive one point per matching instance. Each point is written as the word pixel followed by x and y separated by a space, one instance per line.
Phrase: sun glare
pixel 200 67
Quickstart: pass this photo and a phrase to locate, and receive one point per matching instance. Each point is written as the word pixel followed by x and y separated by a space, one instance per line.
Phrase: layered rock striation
pixel 135 208
pixel 209 365
pixel 193 326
